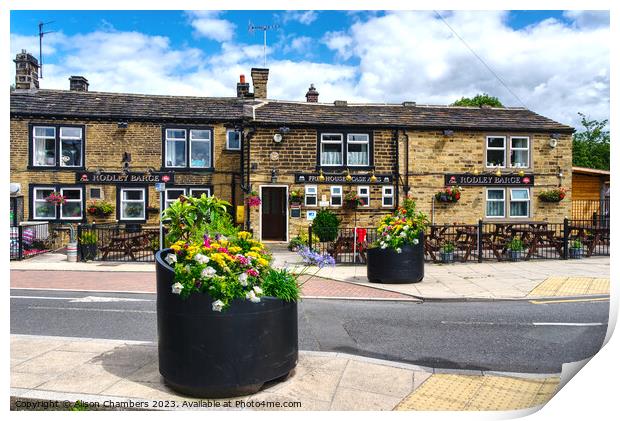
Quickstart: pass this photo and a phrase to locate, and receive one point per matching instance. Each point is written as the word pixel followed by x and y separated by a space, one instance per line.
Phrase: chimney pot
pixel 243 88
pixel 259 80
pixel 78 83
pixel 26 71
pixel 312 95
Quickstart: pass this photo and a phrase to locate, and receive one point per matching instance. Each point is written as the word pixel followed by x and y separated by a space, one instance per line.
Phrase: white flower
pixel 188 269
pixel 399 250
pixel 171 258
pixel 252 297
pixel 383 245
pixel 243 279
pixel 387 238
pixel 201 258
pixel 176 288
pixel 416 241
pixel 403 234
pixel 258 290
pixel 406 227
pixel 208 272
pixel 217 305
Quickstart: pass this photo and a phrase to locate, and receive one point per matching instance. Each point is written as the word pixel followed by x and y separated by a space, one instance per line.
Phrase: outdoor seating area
pixel 119 242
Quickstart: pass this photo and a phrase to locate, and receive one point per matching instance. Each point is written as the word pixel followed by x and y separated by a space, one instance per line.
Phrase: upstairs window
pixel 233 140
pixel 57 146
pixel 175 148
pixel 496 151
pixel 188 148
pixel 519 152
pixel 358 146
pixel 200 148
pixel 331 150
pixel 347 149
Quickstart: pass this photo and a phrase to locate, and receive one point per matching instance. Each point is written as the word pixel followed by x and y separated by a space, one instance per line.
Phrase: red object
pixel 360 233
pixel 526 180
pixel 165 179
pixel 241 78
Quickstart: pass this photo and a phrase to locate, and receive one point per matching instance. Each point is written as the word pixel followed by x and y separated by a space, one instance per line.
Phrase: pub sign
pixel 301 178
pixel 124 178
pixel 489 180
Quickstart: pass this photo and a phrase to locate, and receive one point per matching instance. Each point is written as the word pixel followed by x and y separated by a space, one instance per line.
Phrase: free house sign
pixel 489 180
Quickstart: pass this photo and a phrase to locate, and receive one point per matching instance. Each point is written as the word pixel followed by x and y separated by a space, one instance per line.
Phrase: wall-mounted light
pixel 277 138
pixel 321 176
pixel 498 172
pixel 373 178
pixel 274 176
pixel 475 171
pixel 347 176
pixel 521 173
pixel 284 129
pixel 448 132
pixel 122 124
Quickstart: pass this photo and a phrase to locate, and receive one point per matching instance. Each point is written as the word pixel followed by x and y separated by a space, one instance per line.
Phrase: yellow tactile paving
pixel 451 392
pixel 563 286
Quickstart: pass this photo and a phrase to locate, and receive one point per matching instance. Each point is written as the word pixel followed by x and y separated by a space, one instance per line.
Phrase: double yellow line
pixel 569 300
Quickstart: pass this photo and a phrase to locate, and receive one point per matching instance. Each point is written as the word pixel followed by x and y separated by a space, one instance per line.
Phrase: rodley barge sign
pixel 124 178
pixel 489 180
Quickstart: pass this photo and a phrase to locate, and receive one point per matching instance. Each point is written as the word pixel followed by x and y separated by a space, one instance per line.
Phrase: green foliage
pixel 447 247
pixel 516 244
pixel 301 239
pixel 88 238
pixel 100 208
pixel 280 283
pixel 478 101
pixel 325 225
pixel 222 223
pixel 576 244
pixel 187 218
pixel 591 148
pixel 402 228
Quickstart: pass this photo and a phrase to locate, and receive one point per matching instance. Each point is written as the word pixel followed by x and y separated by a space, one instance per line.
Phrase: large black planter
pixel 208 354
pixel 89 251
pixel 389 267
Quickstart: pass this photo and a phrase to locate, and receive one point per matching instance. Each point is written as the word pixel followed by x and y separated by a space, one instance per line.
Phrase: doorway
pixel 274 213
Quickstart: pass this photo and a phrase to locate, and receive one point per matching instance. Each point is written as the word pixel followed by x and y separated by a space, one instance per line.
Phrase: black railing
pixel 484 241
pixel 597 211
pixel 30 239
pixel 118 242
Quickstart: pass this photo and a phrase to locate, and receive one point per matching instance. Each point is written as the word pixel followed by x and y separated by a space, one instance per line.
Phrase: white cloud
pixel 303 17
pixel 208 24
pixel 299 45
pixel 339 42
pixel 588 18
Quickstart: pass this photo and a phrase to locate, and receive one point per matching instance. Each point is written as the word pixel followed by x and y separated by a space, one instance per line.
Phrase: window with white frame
pixel 42 209
pixel 233 140
pixel 364 195
pixel 331 149
pixel 387 197
pixel 72 208
pixel 44 146
pixel 358 147
pixel 175 148
pixel 133 204
pixel 200 148
pixel 198 192
pixel 519 203
pixel 519 152
pixel 496 151
pixel 71 147
pixel 496 203
pixel 335 196
pixel 311 195
pixel 172 194
pixel 95 193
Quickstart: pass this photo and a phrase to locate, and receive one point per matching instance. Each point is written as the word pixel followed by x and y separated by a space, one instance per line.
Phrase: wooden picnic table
pixel 346 244
pixel 128 243
pixel 535 235
pixel 589 236
pixel 434 240
pixel 470 241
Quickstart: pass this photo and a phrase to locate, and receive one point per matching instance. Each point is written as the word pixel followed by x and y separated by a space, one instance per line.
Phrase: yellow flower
pixel 262 262
pixel 244 235
pixel 253 254
pixel 257 249
pixel 234 249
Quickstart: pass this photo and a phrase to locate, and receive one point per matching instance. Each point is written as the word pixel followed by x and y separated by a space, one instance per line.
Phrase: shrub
pixel 88 238
pixel 280 283
pixel 301 239
pixel 447 247
pixel 188 218
pixel 325 225
pixel 576 244
pixel 516 244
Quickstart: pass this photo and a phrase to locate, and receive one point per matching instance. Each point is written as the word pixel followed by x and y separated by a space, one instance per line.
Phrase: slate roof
pixel 121 106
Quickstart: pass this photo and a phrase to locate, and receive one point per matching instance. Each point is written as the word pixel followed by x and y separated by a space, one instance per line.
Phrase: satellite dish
pixel 16 188
pixel 553 143
pixel 277 138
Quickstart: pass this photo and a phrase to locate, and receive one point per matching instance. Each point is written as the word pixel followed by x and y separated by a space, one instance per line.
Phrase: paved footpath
pixel 125 374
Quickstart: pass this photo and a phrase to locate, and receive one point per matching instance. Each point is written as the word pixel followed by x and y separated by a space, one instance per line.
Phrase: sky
pixel 555 63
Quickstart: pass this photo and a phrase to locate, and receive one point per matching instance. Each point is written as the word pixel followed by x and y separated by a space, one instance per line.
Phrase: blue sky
pixel 555 62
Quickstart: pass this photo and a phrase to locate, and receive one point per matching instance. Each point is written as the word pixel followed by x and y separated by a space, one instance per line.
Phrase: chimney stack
pixel 312 95
pixel 78 83
pixel 259 80
pixel 26 71
pixel 243 88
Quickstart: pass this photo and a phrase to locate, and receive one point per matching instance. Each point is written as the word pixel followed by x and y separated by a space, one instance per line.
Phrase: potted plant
pixel 325 225
pixel 154 244
pixel 553 195
pixel 253 200
pixel 88 245
pixel 449 194
pixel 515 249
pixel 100 208
pixel 56 199
pixel 296 197
pixel 447 252
pixel 575 250
pixel 352 200
pixel 226 320
pixel 397 256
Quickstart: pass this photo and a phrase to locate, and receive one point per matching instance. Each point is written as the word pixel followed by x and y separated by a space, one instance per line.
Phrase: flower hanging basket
pixel 56 199
pixel 449 195
pixel 552 196
pixel 253 200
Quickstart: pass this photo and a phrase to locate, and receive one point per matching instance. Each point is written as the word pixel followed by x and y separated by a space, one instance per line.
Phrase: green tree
pixel 591 145
pixel 478 101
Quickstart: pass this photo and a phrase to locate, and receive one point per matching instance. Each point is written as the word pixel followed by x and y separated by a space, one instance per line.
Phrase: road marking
pixel 456 322
pixel 570 300
pixel 89 299
pixel 105 310
pixel 568 324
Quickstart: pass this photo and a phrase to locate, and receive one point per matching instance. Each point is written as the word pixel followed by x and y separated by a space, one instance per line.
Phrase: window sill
pixel 187 170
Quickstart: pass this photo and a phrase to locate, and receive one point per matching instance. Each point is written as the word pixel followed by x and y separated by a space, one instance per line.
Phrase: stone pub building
pixel 90 145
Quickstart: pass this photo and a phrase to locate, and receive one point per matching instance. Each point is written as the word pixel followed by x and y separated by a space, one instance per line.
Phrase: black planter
pixel 209 354
pixel 575 253
pixel 88 251
pixel 389 267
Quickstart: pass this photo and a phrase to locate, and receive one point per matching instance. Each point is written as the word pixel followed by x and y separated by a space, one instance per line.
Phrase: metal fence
pixel 479 242
pixel 30 239
pixel 597 211
pixel 118 242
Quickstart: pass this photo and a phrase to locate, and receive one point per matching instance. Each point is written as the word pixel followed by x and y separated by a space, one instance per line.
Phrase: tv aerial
pixel 264 28
pixel 41 33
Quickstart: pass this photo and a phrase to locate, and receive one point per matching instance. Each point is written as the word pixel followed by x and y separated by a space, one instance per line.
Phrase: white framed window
pixel 496 203
pixel 233 140
pixel 73 206
pixel 331 149
pixel 42 209
pixel 71 147
pixel 95 193
pixel 387 196
pixel 519 152
pixel 133 204
pixel 519 203
pixel 172 194
pixel 358 147
pixel 496 151
pixel 198 192
pixel 311 195
pixel 44 146
pixel 176 148
pixel 200 148
pixel 335 196
pixel 364 194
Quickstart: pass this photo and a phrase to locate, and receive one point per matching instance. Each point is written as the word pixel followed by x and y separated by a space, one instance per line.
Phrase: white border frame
pixel 361 195
pixel 486 200
pixel 486 150
pixel 331 194
pixel 81 202
pixel 144 191
pixel 383 196
pixel 316 195
pixel 189 149
pixel 81 139
pixel 34 205
pixel 528 201
pixel 321 141
pixel 229 148
pixel 529 151
pixel 260 210
pixel 174 140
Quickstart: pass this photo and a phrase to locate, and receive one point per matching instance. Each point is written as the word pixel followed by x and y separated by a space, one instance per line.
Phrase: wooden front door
pixel 274 206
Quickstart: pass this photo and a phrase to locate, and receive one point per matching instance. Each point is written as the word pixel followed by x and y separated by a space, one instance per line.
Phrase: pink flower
pixel 252 272
pixel 207 242
pixel 242 260
pixel 223 250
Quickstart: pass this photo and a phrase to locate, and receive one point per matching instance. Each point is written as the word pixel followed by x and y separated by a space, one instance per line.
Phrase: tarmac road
pixel 517 336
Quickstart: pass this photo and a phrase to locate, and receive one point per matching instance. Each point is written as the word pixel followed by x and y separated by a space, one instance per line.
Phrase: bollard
pixel 72 252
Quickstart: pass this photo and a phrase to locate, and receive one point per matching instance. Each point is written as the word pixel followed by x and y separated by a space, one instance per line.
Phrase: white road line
pixel 105 310
pixel 89 299
pixel 456 322
pixel 568 324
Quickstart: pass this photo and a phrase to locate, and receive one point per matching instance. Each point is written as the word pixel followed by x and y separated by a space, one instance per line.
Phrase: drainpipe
pixel 397 168
pixel 406 186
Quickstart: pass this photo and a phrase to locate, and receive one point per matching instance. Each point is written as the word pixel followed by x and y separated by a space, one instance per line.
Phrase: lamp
pixel 274 176
pixel 284 129
pixel 498 172
pixel 521 173
pixel 373 178
pixel 476 172
pixel 321 176
pixel 347 176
